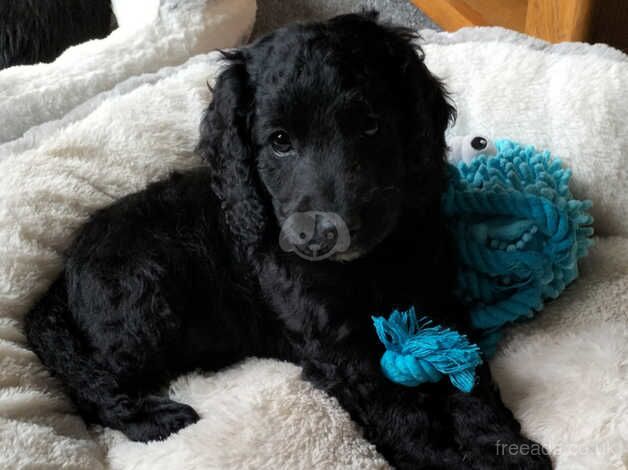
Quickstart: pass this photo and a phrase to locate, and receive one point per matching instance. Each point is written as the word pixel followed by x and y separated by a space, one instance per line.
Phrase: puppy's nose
pixel 327 228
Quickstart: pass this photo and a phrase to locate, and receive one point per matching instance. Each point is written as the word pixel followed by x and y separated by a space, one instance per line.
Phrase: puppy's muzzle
pixel 314 235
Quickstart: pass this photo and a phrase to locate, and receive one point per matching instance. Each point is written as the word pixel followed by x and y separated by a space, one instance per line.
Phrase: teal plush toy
pixel 520 233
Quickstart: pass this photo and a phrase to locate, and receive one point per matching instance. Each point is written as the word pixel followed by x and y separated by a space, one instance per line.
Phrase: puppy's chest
pixel 381 293
pixel 359 293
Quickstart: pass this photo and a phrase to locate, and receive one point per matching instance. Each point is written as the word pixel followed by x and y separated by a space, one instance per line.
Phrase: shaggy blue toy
pixel 519 233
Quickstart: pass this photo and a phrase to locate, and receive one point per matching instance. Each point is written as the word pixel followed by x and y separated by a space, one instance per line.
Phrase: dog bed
pixel 564 374
pixel 151 34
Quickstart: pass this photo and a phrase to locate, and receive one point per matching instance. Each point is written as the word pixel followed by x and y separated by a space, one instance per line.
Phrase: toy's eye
pixel 479 143
pixel 371 126
pixel 281 144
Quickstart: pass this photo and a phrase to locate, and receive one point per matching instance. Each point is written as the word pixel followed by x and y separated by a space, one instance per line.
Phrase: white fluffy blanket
pixel 69 146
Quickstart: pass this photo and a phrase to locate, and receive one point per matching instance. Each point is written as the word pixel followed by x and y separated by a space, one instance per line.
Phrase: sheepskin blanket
pixel 70 150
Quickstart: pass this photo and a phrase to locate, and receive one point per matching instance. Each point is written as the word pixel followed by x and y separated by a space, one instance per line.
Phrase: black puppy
pixel 34 31
pixel 323 132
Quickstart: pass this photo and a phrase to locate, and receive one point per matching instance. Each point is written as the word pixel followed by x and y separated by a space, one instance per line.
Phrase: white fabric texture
pixel 564 374
pixel 152 34
pixel 569 98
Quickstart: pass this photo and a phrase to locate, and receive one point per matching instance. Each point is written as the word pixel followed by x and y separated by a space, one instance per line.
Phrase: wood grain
pixel 552 20
pixel 451 14
pixel 507 13
pixel 559 20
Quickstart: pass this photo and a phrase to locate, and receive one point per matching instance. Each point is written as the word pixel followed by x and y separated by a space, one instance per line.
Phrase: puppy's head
pixel 338 125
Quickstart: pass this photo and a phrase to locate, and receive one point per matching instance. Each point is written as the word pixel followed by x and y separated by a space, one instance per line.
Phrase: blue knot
pixel 417 352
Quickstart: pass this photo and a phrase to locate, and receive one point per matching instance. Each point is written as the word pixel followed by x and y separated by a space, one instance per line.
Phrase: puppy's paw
pixel 157 418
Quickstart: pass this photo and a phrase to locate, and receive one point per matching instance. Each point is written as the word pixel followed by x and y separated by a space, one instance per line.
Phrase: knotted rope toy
pixel 520 233
pixel 417 352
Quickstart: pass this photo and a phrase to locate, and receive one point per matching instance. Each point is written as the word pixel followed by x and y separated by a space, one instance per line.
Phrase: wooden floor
pixel 552 20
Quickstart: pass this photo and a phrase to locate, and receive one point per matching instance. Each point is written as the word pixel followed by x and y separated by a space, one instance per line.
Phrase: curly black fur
pixel 188 273
pixel 34 31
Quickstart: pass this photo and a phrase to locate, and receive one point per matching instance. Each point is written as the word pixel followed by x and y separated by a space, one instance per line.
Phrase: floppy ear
pixel 428 113
pixel 225 144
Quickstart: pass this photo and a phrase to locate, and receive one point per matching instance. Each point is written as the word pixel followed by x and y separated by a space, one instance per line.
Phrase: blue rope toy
pixel 520 234
pixel 417 352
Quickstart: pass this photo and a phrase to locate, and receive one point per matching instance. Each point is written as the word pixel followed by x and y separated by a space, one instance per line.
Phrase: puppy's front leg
pixel 409 426
pixel 487 432
pixel 340 354
pixel 432 426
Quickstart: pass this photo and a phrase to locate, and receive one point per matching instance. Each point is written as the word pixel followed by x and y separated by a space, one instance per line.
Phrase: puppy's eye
pixel 371 126
pixel 281 144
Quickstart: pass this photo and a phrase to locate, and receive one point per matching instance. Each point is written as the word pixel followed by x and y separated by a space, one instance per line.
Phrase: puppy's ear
pixel 225 144
pixel 428 112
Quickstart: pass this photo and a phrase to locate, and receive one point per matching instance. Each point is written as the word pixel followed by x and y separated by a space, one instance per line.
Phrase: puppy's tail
pixel 55 338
